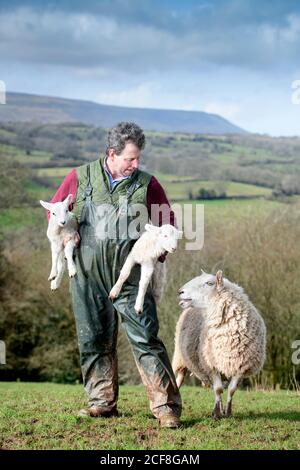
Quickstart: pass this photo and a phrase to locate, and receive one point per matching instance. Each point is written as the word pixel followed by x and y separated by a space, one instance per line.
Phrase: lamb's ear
pixel 46 205
pixel 151 228
pixel 68 200
pixel 219 279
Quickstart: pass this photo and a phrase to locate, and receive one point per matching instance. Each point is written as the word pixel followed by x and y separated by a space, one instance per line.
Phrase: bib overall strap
pixel 132 188
pixel 89 188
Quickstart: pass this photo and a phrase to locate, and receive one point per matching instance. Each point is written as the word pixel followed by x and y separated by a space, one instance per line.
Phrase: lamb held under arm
pixel 154 242
pixel 63 237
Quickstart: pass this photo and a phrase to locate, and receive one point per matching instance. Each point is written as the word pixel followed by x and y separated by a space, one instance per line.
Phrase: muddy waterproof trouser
pixel 98 266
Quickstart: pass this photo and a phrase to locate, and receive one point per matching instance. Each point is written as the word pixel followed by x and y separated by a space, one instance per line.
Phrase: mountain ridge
pixel 48 109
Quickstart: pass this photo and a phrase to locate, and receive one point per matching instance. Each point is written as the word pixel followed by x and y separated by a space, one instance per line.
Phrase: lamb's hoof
pixel 217 411
pixel 72 271
pixel 228 410
pixel 113 293
pixel 54 285
pixel 138 310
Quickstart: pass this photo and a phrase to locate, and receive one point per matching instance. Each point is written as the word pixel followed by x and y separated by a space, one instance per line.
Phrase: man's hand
pixel 162 258
pixel 75 237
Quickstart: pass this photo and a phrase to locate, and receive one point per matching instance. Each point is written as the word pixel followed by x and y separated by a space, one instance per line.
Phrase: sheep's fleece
pixel 219 330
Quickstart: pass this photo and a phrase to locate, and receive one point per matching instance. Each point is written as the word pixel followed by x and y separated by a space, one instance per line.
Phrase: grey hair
pixel 122 133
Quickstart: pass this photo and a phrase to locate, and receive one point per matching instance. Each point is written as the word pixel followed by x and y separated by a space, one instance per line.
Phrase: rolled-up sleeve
pixel 159 208
pixel 68 186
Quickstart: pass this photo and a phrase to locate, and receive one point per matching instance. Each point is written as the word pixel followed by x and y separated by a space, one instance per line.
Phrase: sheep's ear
pixel 68 200
pixel 46 205
pixel 151 228
pixel 219 279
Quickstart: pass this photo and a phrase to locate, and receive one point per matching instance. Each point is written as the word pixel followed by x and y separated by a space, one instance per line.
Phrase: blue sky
pixel 236 58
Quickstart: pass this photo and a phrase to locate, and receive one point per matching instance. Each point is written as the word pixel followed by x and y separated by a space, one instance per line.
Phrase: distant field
pixel 18 218
pixel 178 187
pixel 53 172
pixel 183 163
pixel 43 416
pixel 15 153
pixel 180 190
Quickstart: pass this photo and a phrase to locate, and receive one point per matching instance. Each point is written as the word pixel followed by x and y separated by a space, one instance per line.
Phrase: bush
pixel 259 251
pixel 13 177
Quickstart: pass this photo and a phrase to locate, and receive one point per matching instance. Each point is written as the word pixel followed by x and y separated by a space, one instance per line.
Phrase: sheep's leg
pixel 231 389
pixel 178 365
pixel 180 376
pixel 55 283
pixel 218 390
pixel 55 255
pixel 146 274
pixel 124 274
pixel 69 250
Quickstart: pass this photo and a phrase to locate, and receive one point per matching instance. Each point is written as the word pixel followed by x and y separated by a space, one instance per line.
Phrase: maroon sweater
pixel 155 195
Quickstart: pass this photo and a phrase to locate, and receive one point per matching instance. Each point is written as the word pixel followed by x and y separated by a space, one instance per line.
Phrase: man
pixel 111 182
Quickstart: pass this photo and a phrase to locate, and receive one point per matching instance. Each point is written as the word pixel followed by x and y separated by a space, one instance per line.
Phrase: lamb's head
pixel 59 211
pixel 166 236
pixel 199 291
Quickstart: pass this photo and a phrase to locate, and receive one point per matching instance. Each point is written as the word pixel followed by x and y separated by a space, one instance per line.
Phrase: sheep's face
pixel 59 210
pixel 198 291
pixel 167 236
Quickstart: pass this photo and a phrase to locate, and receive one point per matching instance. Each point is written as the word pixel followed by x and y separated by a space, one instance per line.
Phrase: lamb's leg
pixel 231 389
pixel 55 283
pixel 124 274
pixel 69 250
pixel 55 251
pixel 146 274
pixel 218 390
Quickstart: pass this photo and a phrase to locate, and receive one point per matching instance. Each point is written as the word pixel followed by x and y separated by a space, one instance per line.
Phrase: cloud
pixel 151 39
pixel 227 110
pixel 140 96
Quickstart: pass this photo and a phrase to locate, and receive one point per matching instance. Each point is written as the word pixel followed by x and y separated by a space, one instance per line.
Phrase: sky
pixel 235 58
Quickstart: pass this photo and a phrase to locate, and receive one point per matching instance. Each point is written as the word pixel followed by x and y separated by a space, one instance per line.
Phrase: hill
pixel 185 163
pixel 46 109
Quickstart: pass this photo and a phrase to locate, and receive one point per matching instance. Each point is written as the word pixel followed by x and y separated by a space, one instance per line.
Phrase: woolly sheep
pixel 219 332
pixel 63 236
pixel 154 242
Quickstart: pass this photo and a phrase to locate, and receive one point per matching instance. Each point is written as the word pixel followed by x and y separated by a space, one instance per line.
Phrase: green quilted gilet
pixel 102 193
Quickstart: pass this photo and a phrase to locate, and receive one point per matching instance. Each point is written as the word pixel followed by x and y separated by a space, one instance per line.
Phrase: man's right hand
pixel 77 239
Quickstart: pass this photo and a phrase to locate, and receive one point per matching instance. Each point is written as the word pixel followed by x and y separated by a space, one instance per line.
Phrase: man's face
pixel 126 162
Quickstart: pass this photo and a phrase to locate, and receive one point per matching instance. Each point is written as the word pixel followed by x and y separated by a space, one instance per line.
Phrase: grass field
pixel 43 416
pixel 178 190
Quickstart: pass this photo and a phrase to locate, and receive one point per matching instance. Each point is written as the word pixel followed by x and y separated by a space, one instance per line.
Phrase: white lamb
pixel 219 333
pixel 153 243
pixel 63 236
